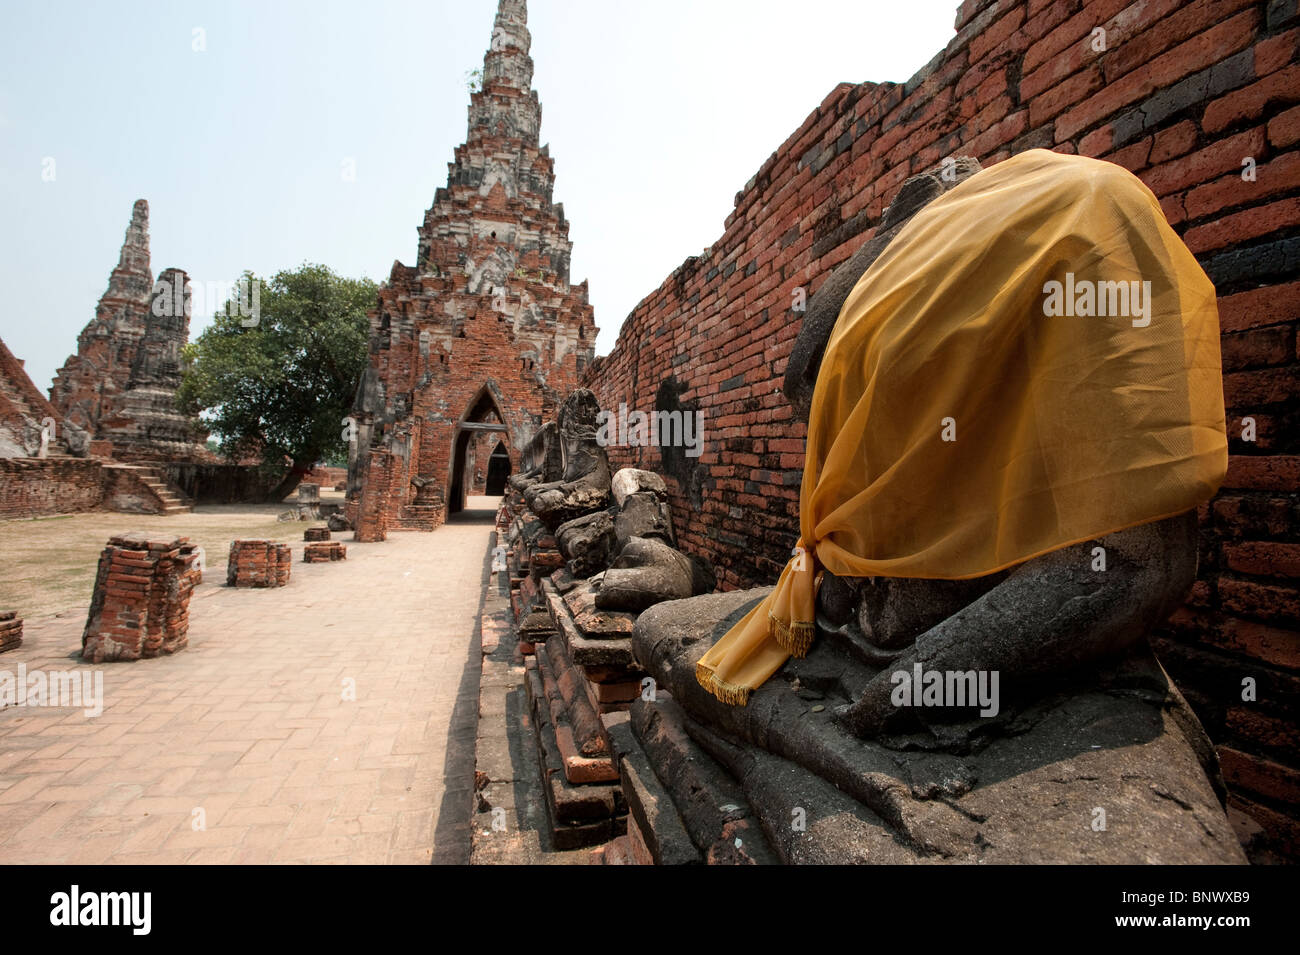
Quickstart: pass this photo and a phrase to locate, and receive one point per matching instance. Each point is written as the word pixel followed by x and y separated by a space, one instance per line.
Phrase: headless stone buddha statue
pixel 543 460
pixel 1073 745
pixel 583 486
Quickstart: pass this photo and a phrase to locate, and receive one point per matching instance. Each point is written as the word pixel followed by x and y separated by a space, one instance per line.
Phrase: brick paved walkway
pixel 250 726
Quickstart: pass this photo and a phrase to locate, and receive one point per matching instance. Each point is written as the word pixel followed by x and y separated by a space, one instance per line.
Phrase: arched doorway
pixel 498 470
pixel 483 414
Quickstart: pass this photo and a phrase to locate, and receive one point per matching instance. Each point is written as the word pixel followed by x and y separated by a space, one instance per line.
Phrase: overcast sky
pixel 656 113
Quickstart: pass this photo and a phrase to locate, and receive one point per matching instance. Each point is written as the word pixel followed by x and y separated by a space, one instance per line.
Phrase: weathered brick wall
pixel 1183 94
pixel 34 487
pixel 326 477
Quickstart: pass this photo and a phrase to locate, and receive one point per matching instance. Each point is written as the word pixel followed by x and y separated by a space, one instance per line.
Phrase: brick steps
pixel 171 498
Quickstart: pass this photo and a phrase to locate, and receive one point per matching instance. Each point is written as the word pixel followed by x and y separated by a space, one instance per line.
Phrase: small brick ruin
pixel 322 552
pixel 316 534
pixel 24 413
pixel 258 563
pixel 141 603
pixel 11 630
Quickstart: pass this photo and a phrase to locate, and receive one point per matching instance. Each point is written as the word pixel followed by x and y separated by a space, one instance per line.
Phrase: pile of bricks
pixel 316 534
pixel 141 602
pixel 11 630
pixel 322 552
pixel 258 563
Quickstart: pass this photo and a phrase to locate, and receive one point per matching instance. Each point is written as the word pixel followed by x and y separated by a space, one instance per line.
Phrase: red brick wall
pixel 326 477
pixel 34 487
pixel 1181 95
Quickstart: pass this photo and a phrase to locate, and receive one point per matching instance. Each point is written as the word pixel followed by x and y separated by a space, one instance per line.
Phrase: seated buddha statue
pixel 998 505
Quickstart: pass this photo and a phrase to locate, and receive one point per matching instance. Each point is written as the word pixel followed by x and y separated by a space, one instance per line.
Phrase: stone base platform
pixel 323 552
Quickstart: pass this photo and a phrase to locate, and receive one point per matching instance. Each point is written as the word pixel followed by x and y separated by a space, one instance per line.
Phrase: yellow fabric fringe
pixel 983 400
pixel 728 693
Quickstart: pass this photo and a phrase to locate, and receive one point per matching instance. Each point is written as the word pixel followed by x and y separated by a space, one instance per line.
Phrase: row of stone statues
pixel 618 526
pixel 586 551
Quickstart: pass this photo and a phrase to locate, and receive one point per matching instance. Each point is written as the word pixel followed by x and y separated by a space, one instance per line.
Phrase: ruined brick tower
pixel 477 343
pixel 147 424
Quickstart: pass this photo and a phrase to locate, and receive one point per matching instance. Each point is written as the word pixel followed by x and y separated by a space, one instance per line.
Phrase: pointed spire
pixel 511 26
pixel 132 279
pixel 507 60
pixel 134 256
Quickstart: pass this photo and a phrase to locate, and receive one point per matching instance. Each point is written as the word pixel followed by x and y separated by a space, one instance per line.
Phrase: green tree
pixel 277 384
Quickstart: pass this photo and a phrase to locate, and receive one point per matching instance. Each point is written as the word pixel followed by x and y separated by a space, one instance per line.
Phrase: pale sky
pixel 656 113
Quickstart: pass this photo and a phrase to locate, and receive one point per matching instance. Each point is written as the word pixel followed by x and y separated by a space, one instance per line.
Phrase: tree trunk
pixel 290 481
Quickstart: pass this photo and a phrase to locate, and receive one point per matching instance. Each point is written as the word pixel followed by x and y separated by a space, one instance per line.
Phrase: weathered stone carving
pixel 543 460
pixel 646 572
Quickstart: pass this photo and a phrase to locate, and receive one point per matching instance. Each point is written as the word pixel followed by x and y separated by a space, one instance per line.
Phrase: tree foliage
pixel 277 386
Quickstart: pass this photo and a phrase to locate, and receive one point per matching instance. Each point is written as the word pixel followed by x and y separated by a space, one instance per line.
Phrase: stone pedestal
pixel 322 552
pixel 140 606
pixel 258 563
pixel 316 534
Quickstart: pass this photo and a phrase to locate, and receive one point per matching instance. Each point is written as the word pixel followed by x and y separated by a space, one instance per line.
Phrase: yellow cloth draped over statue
pixel 1032 362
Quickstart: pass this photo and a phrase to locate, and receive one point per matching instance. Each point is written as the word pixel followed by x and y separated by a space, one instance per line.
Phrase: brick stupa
pixel 120 386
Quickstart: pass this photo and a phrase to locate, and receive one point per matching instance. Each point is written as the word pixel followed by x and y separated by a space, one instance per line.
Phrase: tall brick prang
pixel 90 384
pixel 485 333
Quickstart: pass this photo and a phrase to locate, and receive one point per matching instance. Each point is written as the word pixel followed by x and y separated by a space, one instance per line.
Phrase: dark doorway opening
pixel 483 415
pixel 498 470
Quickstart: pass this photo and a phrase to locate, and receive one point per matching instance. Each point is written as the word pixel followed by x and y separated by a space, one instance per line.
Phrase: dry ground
pixel 47 564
